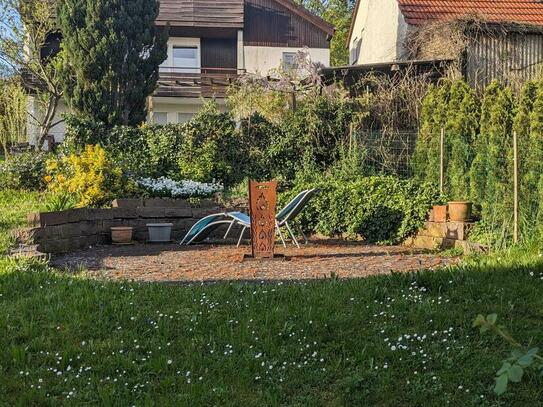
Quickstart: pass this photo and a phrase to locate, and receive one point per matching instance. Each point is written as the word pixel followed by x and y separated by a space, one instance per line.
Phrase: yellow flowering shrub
pixel 90 176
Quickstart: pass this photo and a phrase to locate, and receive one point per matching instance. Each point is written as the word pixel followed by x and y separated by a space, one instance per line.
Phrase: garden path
pixel 210 262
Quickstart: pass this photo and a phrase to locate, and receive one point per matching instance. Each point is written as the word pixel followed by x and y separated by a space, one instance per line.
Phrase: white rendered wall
pixel 172 106
pixel 32 126
pixel 382 29
pixel 264 59
pixel 60 129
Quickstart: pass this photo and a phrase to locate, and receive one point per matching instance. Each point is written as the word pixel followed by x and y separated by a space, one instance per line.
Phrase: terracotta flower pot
pixel 460 211
pixel 121 235
pixel 440 213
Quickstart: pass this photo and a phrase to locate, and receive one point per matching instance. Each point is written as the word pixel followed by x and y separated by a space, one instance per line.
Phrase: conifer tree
pixel 438 121
pixel 493 173
pixel 113 51
pixel 522 126
pixel 460 130
pixel 479 166
pixel 533 178
pixel 420 156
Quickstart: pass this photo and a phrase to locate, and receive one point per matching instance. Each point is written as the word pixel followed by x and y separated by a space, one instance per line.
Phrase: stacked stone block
pixel 76 229
pixel 444 235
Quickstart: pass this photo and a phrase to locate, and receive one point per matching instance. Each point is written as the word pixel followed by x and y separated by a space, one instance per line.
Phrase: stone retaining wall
pixel 76 229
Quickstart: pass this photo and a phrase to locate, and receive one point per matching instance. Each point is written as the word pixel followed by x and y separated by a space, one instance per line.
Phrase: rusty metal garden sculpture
pixel 262 204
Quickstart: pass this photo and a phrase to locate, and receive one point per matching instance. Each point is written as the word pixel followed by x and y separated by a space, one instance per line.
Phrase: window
pixel 289 61
pixel 355 51
pixel 185 57
pixel 160 118
pixel 184 117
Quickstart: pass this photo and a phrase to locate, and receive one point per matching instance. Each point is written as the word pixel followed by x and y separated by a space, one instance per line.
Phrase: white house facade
pixel 212 43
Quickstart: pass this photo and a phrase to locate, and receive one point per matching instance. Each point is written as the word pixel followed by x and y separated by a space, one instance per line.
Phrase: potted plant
pixel 121 234
pixel 439 211
pixel 460 211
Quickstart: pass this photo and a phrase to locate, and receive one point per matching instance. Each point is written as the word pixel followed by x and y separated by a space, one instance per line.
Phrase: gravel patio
pixel 221 262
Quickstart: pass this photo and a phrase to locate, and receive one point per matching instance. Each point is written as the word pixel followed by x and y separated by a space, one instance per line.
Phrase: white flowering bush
pixel 167 188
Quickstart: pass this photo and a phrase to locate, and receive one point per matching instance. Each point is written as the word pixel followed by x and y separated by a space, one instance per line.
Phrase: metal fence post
pixel 515 189
pixel 442 161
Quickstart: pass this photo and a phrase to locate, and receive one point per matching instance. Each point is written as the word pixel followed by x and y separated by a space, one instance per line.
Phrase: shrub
pixel 310 136
pixel 90 176
pixel 13 114
pixel 256 135
pixel 141 151
pixel 24 171
pixel 204 149
pixel 81 132
pixel 164 145
pixel 381 209
pixel 210 151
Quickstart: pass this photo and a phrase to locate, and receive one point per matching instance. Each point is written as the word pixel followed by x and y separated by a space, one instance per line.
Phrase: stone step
pixel 440 243
pixel 448 230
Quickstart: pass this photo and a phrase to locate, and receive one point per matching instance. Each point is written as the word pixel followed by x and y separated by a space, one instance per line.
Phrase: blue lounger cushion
pixel 204 227
pixel 241 218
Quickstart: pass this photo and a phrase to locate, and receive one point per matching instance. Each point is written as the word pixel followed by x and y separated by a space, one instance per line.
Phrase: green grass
pixel 77 341
pixel 73 340
pixel 14 206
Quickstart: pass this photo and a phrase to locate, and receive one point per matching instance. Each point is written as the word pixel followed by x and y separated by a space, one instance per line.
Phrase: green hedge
pixel 381 209
pixel 213 147
pixel 203 149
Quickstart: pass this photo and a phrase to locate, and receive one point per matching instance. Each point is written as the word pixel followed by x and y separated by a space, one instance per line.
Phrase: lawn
pixel 14 206
pixel 400 340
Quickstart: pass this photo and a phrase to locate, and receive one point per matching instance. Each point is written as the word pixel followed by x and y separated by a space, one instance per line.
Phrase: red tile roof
pixel 517 11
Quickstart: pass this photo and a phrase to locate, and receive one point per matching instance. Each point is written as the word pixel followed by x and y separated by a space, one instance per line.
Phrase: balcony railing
pixel 196 82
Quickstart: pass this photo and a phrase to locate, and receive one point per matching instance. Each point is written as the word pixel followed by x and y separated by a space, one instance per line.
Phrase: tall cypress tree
pixel 420 156
pixel 499 185
pixel 522 124
pixel 437 122
pixel 534 159
pixel 113 51
pixel 460 130
pixel 492 169
pixel 479 166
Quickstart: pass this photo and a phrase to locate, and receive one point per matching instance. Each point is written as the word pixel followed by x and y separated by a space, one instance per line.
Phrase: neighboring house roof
pixel 498 11
pixel 224 13
pixel 418 12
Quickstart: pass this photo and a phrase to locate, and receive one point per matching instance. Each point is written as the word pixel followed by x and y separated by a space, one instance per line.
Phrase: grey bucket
pixel 160 232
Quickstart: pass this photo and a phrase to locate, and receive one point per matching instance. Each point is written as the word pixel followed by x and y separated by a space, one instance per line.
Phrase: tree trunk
pixel 45 125
pixel 6 151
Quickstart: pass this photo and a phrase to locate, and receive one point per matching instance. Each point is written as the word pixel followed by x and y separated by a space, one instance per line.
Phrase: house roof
pixel 201 13
pixel 223 14
pixel 417 12
pixel 351 74
pixel 497 11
